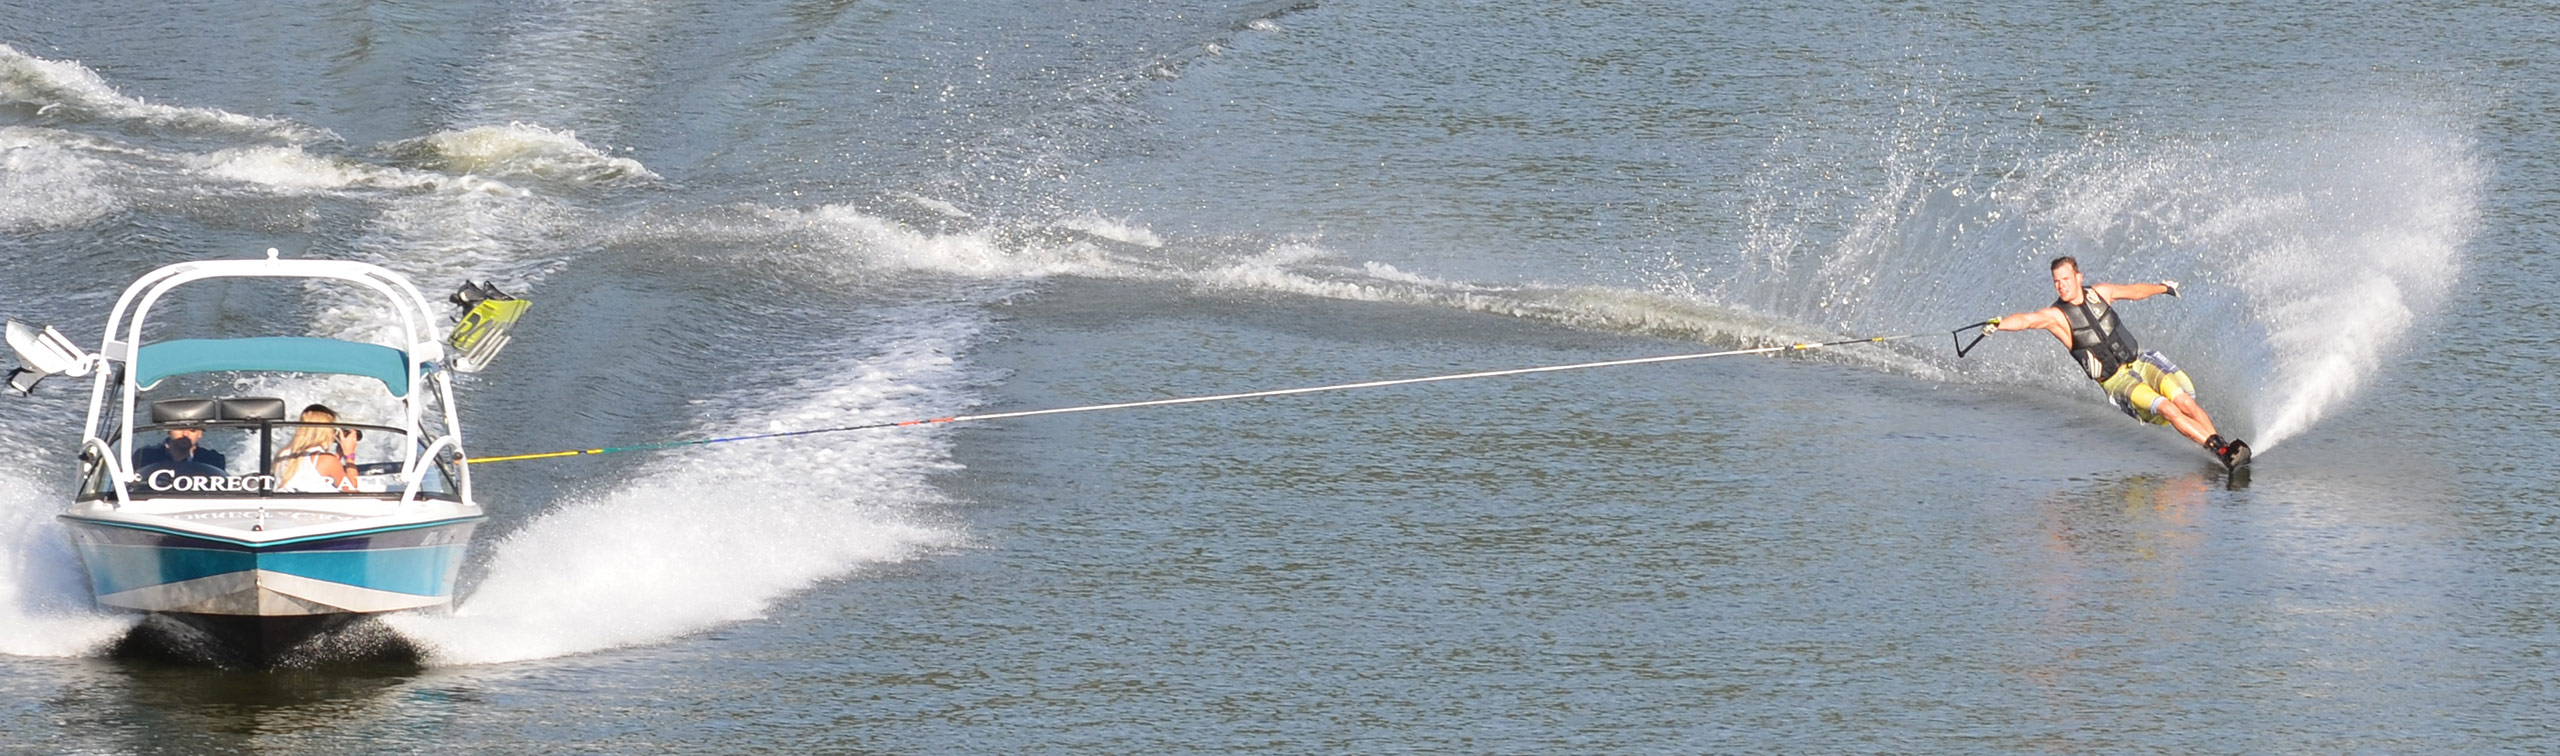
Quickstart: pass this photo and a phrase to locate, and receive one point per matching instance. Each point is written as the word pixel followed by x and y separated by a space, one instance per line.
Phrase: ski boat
pixel 185 510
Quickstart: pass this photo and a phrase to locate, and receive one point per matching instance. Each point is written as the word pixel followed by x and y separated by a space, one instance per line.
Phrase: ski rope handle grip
pixel 1963 346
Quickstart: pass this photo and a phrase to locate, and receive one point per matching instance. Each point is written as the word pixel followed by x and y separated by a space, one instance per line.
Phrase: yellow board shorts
pixel 2140 386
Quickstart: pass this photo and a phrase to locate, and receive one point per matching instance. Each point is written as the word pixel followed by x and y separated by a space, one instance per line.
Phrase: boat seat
pixel 182 410
pixel 252 408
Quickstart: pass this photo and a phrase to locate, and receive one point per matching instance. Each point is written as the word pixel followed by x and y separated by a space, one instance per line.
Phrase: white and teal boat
pixel 195 509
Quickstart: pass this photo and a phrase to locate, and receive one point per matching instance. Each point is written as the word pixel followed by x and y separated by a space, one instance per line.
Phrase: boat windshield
pixel 269 458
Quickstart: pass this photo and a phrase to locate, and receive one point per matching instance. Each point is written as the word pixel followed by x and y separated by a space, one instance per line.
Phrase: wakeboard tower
pixel 207 528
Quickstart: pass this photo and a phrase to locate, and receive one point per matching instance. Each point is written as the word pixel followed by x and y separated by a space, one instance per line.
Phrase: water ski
pixel 487 314
pixel 2235 454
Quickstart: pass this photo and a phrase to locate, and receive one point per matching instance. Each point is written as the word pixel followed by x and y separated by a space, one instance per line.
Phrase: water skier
pixel 2142 383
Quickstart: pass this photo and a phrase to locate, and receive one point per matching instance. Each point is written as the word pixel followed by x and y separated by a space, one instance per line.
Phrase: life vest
pixel 2098 341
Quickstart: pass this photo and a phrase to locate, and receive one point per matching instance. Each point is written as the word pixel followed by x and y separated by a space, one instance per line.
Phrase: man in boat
pixel 181 447
pixel 2141 382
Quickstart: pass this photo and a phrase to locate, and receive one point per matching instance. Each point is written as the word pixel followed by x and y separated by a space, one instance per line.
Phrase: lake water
pixel 750 217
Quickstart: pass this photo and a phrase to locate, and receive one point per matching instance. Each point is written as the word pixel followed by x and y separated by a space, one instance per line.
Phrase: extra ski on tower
pixel 487 315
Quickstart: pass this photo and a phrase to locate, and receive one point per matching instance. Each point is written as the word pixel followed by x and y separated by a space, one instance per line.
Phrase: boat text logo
pixel 170 480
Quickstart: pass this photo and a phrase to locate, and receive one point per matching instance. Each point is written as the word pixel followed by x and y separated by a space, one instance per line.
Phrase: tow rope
pixel 1211 398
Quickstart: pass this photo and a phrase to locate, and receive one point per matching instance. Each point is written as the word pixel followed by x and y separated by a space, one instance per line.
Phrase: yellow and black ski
pixel 486 317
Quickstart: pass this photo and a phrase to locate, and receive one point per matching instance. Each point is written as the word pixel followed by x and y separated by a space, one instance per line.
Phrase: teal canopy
pixel 281 354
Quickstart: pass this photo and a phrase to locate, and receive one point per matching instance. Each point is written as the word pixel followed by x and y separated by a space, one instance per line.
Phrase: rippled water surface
pixel 743 218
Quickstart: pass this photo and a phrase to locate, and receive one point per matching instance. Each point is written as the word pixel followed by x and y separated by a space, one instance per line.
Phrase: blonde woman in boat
pixel 317 460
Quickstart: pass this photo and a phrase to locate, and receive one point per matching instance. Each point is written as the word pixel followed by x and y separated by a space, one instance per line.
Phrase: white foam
pixel 1385 272
pixel 986 252
pixel 946 209
pixel 460 213
pixel 45 609
pixel 56 85
pixel 1306 269
pixel 285 168
pixel 2361 241
pixel 521 150
pixel 441 238
pixel 1118 230
pixel 44 184
pixel 1295 267
pixel 719 533
pixel 295 170
pixel 1133 252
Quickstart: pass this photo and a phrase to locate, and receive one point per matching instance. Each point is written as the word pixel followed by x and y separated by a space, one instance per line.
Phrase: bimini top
pixel 283 354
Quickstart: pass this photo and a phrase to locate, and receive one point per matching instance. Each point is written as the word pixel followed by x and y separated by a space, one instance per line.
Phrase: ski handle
pixel 1980 332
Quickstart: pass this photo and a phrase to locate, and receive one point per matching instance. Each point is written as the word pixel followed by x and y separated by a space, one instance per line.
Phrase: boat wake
pixel 1089 246
pixel 44 601
pixel 716 534
pixel 68 90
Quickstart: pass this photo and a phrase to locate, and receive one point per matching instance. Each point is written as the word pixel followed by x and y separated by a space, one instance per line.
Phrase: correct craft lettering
pixel 169 480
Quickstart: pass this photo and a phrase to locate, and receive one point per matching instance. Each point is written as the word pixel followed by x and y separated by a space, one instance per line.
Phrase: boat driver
pixel 180 448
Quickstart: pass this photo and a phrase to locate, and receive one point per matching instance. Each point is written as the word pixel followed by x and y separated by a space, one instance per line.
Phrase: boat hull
pixel 264 593
pixel 247 642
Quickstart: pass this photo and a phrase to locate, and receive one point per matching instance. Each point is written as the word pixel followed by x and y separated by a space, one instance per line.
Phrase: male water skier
pixel 2142 383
